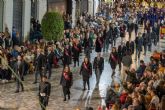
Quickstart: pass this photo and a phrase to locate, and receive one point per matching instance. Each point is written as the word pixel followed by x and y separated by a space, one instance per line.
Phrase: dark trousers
pixel 36 74
pixel 138 52
pixel 49 69
pixel 119 62
pixel 66 91
pixel 86 81
pixel 149 47
pixel 87 52
pixel 18 84
pixel 76 60
pixel 145 49
pixel 98 74
pixel 43 102
pixel 129 34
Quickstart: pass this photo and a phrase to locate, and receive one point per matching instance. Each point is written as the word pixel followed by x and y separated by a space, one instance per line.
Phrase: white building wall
pixel 8 15
pixel 42 9
pixel 96 6
pixel 90 7
pixel 26 18
pixel 73 13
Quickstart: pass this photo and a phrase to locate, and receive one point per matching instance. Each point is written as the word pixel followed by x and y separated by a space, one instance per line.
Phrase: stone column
pixel 8 15
pixel 42 9
pixel 26 19
pixel 73 13
pixel 90 7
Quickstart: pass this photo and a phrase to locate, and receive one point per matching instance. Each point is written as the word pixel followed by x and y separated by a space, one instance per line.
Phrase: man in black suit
pixel 49 61
pixel 98 66
pixel 39 64
pixel 44 92
pixel 76 50
pixel 19 70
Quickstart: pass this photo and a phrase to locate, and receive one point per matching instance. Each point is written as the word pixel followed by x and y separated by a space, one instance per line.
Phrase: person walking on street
pixel 99 43
pixel 67 55
pixel 87 46
pixel 113 60
pixel 39 65
pixel 44 92
pixel 139 44
pixel 127 61
pixel 49 61
pixel 76 50
pixel 86 72
pixel 66 81
pixel 19 70
pixel 98 66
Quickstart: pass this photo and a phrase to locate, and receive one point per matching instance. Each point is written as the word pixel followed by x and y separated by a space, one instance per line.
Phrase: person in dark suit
pixel 99 43
pixel 120 55
pixel 39 65
pixel 76 50
pixel 113 60
pixel 87 46
pixel 130 28
pixel 67 55
pixel 86 72
pixel 66 81
pixel 98 66
pixel 19 70
pixel 44 92
pixel 122 31
pixel 49 61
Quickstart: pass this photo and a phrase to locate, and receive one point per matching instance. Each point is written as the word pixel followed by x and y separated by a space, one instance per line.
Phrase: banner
pixel 162 32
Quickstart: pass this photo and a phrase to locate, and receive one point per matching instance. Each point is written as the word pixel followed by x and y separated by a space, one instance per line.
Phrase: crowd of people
pixel 142 88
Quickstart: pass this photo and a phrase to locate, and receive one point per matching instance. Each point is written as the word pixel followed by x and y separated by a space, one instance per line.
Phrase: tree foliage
pixel 52 26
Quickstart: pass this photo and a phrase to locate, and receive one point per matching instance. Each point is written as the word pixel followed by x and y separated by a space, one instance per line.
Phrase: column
pixel 26 18
pixel 8 15
pixel 42 9
pixel 73 13
pixel 90 7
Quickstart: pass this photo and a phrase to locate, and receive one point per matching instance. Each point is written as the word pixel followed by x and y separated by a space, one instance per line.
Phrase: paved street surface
pixel 28 100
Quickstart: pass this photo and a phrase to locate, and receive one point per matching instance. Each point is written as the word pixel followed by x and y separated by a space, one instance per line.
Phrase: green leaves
pixel 52 26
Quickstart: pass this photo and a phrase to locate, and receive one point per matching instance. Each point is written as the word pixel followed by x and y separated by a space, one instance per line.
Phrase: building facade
pixel 18 13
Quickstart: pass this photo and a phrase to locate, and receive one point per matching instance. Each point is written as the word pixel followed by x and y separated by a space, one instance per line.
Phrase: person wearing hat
pixel 44 92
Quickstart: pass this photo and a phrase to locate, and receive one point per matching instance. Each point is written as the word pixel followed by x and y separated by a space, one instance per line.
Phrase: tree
pixel 52 26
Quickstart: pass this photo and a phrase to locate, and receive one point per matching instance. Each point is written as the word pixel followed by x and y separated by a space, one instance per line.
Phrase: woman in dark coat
pixel 119 52
pixel 113 60
pixel 67 55
pixel 99 43
pixel 66 81
pixel 76 50
pixel 122 31
pixel 86 72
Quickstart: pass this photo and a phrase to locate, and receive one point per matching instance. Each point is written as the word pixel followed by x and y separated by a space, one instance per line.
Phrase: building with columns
pixel 18 13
